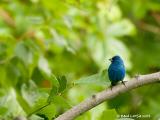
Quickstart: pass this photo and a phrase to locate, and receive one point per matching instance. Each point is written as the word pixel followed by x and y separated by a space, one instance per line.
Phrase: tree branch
pixel 108 94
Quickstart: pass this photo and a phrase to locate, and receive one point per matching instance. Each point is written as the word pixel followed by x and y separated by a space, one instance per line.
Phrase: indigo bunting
pixel 116 70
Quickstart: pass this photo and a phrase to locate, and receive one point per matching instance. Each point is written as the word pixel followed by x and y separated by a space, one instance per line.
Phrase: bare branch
pixel 108 94
pixel 148 27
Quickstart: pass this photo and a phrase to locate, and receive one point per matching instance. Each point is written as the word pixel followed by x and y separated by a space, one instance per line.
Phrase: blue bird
pixel 116 70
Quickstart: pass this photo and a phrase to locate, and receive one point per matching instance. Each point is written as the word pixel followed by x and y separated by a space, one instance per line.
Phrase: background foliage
pixel 54 54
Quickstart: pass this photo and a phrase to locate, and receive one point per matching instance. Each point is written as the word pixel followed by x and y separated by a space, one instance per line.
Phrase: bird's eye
pixel 110 59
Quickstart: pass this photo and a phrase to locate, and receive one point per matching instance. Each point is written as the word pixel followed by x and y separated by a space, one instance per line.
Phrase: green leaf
pixel 39 104
pixel 98 79
pixel 3 110
pixel 140 9
pixel 53 93
pixel 54 80
pixel 26 107
pixel 3 51
pixel 121 28
pixel 61 102
pixel 49 111
pixel 16 72
pixel 12 73
pixel 109 115
pixel 43 65
pixel 23 53
pixel 3 77
pixel 37 76
pixel 42 108
pixel 62 83
pixel 119 101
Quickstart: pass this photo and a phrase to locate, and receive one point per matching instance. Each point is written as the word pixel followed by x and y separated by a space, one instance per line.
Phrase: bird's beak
pixel 110 59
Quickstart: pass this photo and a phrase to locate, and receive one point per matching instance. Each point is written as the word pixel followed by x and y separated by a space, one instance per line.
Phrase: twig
pixel 156 16
pixel 38 110
pixel 7 17
pixel 148 27
pixel 108 94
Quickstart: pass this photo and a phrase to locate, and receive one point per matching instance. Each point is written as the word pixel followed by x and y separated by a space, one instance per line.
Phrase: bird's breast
pixel 116 72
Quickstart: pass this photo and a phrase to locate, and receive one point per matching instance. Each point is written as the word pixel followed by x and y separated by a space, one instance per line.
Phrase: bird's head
pixel 115 58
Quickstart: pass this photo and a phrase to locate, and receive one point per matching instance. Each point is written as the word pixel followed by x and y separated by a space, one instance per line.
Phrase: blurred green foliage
pixel 54 54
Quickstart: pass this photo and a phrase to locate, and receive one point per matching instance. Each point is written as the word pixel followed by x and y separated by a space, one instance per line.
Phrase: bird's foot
pixel 111 87
pixel 123 82
pixel 93 96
